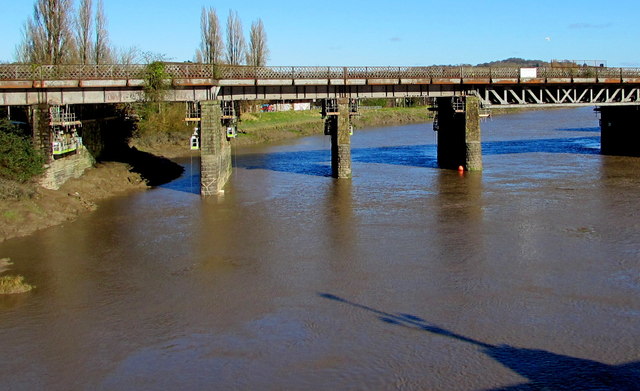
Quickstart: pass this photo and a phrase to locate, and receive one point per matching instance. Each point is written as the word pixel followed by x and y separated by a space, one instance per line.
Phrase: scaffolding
pixel 64 127
pixel 192 111
pixel 354 107
pixel 330 107
pixel 228 110
pixel 458 104
pixel 62 116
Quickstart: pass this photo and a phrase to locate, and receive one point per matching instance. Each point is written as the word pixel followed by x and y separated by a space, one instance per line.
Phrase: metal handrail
pixel 23 72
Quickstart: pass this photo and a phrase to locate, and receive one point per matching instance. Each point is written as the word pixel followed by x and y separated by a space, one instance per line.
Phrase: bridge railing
pixel 630 72
pixel 207 71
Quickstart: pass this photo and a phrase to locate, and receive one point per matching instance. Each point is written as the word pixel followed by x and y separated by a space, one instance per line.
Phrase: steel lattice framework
pixel 574 95
pixel 204 71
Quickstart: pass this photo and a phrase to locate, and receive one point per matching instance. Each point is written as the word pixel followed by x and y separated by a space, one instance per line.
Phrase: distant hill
pixel 515 62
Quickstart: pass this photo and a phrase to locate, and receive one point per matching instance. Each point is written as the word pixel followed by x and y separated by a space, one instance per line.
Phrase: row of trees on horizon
pixel 60 33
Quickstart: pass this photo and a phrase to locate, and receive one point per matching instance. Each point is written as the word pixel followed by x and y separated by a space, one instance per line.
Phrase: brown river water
pixel 525 276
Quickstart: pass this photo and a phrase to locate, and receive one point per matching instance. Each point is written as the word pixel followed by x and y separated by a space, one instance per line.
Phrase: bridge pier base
pixel 459 134
pixel 620 130
pixel 339 126
pixel 215 150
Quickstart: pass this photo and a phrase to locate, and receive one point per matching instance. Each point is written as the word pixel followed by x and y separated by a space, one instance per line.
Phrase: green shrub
pixel 155 81
pixel 162 123
pixel 19 161
pixel 376 102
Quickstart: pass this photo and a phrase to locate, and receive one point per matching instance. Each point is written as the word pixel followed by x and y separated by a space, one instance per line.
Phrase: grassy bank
pixel 258 128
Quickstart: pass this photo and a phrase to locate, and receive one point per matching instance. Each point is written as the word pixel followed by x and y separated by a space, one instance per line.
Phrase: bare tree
pixel 236 46
pixel 128 56
pixel 84 30
pixel 258 52
pixel 32 48
pixel 48 38
pixel 211 46
pixel 102 53
pixel 198 59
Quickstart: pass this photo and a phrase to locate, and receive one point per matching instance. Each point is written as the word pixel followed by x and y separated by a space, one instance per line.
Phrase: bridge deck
pixel 22 84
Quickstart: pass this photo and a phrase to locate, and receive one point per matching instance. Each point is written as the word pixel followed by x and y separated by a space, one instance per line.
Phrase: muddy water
pixel 406 277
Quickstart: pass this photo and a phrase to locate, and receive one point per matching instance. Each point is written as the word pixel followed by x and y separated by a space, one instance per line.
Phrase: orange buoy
pixel 460 169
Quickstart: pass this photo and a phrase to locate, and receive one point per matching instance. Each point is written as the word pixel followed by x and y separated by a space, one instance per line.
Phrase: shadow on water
pixel 543 369
pixel 189 181
pixel 156 170
pixel 317 162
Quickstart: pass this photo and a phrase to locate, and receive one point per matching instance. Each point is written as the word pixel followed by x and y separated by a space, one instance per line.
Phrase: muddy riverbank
pixel 41 208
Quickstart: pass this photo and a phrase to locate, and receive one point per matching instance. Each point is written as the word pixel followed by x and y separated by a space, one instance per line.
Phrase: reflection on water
pixel 520 277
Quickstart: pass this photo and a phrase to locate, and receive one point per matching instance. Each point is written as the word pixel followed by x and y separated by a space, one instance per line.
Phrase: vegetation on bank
pixel 14 284
pixel 264 127
pixel 388 116
pixel 19 162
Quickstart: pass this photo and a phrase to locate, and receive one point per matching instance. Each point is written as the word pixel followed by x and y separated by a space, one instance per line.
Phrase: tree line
pixel 56 33
pixel 60 33
pixel 213 49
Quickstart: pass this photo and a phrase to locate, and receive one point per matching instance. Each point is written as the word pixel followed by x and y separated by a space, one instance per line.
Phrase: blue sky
pixel 376 32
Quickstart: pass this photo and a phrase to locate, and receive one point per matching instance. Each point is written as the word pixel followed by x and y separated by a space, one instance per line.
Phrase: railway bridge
pixel 459 93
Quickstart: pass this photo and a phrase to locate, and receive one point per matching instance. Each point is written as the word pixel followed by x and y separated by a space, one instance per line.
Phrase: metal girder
pixel 573 95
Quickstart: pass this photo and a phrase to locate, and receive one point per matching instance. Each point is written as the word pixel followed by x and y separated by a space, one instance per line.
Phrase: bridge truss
pixel 566 95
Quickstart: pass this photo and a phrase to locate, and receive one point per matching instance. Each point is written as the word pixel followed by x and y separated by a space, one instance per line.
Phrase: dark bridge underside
pixel 489 95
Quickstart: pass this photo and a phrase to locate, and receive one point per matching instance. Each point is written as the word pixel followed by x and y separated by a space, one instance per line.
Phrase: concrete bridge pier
pixel 620 130
pixel 215 149
pixel 337 114
pixel 459 133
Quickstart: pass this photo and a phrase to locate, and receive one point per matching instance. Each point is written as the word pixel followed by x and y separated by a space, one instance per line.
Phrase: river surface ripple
pixel 407 277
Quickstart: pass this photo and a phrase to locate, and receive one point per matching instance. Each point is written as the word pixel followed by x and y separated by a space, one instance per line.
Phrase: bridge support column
pixel 620 130
pixel 41 131
pixel 215 150
pixel 340 128
pixel 459 133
